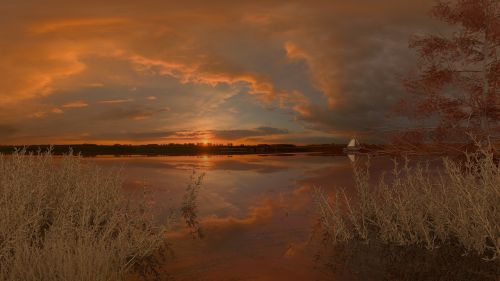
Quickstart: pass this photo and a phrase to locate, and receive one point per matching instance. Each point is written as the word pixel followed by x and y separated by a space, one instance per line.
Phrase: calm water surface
pixel 256 211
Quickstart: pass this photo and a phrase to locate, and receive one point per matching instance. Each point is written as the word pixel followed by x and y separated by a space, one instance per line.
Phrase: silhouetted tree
pixel 457 80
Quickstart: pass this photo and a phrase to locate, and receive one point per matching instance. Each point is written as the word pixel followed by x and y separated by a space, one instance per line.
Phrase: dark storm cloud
pixel 271 131
pixel 150 136
pixel 300 139
pixel 133 136
pixel 7 130
pixel 358 64
pixel 137 113
pixel 241 134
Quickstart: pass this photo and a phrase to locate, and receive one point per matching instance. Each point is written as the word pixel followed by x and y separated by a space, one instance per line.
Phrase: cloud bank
pixel 296 71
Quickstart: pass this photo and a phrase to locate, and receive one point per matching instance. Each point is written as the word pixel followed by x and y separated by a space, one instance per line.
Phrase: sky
pixel 221 71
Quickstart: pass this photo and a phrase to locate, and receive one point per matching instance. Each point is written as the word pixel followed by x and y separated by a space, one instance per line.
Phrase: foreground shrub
pixel 456 206
pixel 63 219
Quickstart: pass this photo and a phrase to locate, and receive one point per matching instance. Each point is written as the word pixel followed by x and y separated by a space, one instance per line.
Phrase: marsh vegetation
pixel 64 219
pixel 425 217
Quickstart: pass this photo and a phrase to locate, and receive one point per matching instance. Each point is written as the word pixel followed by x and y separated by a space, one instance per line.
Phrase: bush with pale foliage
pixel 458 206
pixel 65 219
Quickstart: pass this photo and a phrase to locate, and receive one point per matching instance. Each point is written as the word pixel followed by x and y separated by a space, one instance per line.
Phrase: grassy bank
pixel 454 210
pixel 63 219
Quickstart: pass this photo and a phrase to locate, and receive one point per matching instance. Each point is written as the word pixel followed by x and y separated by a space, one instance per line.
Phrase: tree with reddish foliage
pixel 456 84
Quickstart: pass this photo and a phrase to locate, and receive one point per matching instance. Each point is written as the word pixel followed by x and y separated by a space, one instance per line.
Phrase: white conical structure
pixel 353 143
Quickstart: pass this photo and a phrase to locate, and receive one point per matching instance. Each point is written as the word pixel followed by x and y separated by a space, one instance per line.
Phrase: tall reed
pixel 65 219
pixel 457 206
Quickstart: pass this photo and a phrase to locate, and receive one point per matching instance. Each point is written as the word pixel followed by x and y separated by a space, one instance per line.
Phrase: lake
pixel 256 211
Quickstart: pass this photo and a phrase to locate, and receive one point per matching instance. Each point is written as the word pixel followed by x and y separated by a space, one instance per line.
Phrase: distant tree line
pixel 180 149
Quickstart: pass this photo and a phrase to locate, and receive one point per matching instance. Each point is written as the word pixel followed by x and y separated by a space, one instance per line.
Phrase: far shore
pixel 90 150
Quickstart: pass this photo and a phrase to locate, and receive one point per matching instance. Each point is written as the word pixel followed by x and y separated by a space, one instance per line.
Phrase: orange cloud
pixel 322 70
pixel 27 81
pixel 116 101
pixel 195 72
pixel 57 110
pixel 58 25
pixel 75 104
pixel 294 52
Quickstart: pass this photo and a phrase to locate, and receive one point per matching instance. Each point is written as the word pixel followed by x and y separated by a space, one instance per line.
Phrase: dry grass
pixel 63 219
pixel 457 206
pixel 189 209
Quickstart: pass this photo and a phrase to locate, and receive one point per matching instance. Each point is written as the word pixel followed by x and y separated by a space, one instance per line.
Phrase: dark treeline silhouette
pixel 179 149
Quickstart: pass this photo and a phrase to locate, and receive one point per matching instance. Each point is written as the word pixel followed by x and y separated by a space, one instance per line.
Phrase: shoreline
pixel 92 150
